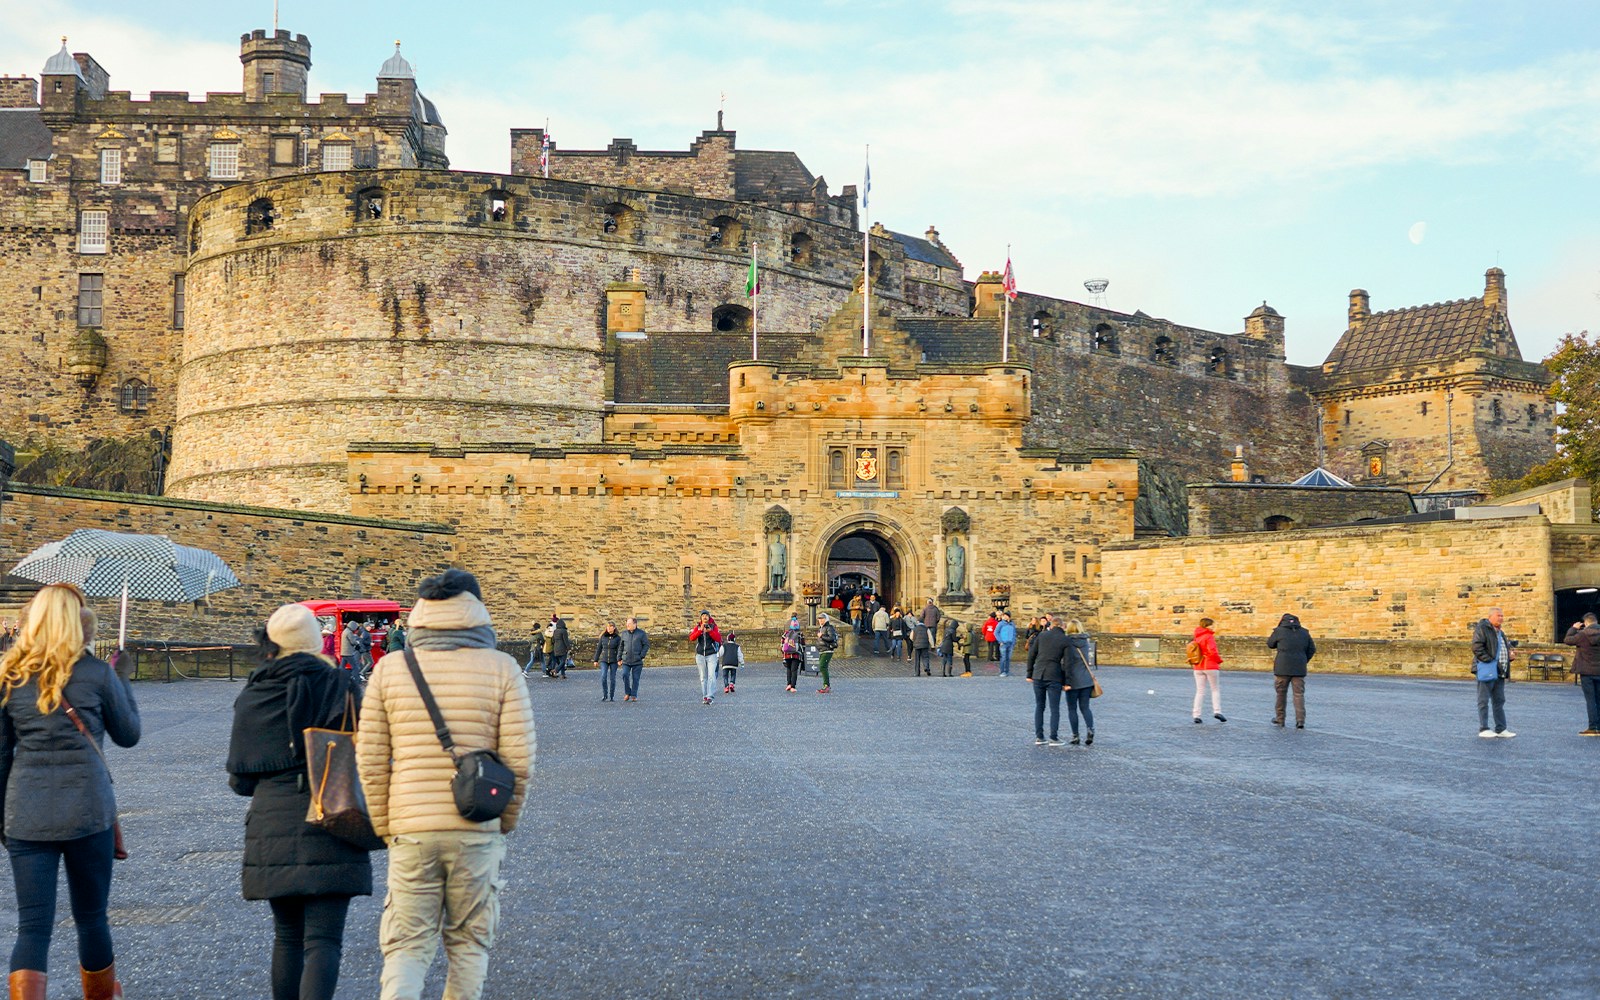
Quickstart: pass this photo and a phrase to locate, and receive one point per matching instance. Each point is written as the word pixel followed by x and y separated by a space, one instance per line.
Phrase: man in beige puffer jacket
pixel 444 871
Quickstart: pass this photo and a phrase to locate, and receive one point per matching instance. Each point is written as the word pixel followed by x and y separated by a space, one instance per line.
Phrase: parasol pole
pixel 122 622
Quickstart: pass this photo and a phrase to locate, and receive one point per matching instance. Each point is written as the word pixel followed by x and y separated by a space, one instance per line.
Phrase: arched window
pixel 894 469
pixel 620 221
pixel 1278 522
pixel 836 478
pixel 258 218
pixel 133 397
pixel 370 204
pixel 1218 363
pixel 497 206
pixel 725 233
pixel 1496 410
pixel 800 249
pixel 1105 339
pixel 194 236
pixel 730 319
pixel 1164 351
pixel 879 268
pixel 1533 413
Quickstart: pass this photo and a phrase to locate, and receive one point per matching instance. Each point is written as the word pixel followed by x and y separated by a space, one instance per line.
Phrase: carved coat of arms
pixel 866 465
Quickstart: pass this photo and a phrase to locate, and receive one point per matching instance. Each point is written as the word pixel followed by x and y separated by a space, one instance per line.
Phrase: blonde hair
pixel 53 636
pixel 1073 626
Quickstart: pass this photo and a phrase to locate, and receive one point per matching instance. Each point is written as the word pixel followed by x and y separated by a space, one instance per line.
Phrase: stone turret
pixel 1494 290
pixel 274 64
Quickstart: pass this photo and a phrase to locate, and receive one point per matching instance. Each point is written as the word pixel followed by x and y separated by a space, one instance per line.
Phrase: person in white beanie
pixel 306 874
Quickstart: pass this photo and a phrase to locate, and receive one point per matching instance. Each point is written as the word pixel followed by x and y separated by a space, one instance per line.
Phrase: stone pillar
pixel 625 302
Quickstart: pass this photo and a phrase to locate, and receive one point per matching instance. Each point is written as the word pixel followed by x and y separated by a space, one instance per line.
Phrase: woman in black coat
pixel 607 654
pixel 1295 650
pixel 307 875
pixel 58 805
pixel 1079 681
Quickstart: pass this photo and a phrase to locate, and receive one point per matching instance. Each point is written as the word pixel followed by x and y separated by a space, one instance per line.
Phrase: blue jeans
pixel 894 647
pixel 1047 691
pixel 707 664
pixel 630 678
pixel 1591 698
pixel 1005 657
pixel 1492 693
pixel 1078 701
pixel 34 864
pixel 608 681
pixel 880 641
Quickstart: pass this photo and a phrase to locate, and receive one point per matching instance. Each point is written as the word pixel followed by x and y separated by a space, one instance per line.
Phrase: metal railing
pixel 166 661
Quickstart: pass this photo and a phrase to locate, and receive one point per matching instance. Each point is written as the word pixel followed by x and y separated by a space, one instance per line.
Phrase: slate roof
pixel 760 174
pixel 925 251
pixel 954 341
pixel 23 137
pixel 1421 334
pixel 678 368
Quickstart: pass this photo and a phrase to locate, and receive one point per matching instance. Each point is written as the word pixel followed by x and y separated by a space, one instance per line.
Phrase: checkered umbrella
pixel 143 567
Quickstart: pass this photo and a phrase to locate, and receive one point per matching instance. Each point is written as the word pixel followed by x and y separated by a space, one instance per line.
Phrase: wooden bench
pixel 1545 664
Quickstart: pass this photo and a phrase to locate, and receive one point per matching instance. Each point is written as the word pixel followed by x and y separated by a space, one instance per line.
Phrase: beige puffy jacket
pixel 405 772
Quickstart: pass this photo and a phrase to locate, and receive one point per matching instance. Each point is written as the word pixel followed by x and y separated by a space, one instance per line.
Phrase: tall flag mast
pixel 752 288
pixel 544 151
pixel 1009 284
pixel 866 260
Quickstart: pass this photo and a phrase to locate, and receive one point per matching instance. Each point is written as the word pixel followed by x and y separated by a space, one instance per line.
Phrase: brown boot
pixel 27 984
pixel 100 985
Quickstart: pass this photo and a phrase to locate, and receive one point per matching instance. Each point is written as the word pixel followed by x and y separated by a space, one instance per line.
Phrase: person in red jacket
pixel 988 636
pixel 707 639
pixel 1207 672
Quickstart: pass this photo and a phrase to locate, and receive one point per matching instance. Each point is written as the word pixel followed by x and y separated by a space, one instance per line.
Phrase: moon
pixel 1418 231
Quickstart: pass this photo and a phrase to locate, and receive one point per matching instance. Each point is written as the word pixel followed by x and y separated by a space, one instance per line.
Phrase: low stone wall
pixel 1443 658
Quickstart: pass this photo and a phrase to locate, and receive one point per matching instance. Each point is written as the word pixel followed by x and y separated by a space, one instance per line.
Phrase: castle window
pixel 894 469
pixel 1496 411
pixel 836 469
pixel 1278 522
pixel 730 319
pixel 93 231
pixel 284 153
pixel 369 204
pixel 337 156
pixel 879 268
pixel 1105 339
pixel 179 292
pixel 499 206
pixel 1347 418
pixel 1040 324
pixel 800 249
pixel 1218 363
pixel 1424 407
pixel 1164 352
pixel 133 397
pixel 619 220
pixel 111 166
pixel 38 171
pixel 166 149
pixel 258 218
pixel 269 82
pixel 726 233
pixel 223 161
pixel 1533 413
pixel 91 299
pixel 194 236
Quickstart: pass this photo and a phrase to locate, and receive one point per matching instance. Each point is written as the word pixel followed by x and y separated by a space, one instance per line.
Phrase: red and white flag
pixel 544 155
pixel 1010 282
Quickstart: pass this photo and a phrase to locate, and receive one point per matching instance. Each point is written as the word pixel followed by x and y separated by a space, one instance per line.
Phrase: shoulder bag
pixel 1095 691
pixel 338 804
pixel 483 784
pixel 118 850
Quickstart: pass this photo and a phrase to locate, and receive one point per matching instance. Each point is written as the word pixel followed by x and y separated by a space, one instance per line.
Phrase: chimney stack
pixel 1494 289
pixel 1359 309
pixel 1241 471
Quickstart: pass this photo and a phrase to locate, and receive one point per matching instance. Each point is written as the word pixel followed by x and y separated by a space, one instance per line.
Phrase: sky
pixel 1202 157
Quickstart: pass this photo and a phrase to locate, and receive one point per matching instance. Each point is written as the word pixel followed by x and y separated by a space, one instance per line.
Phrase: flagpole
pixel 866 261
pixel 755 305
pixel 1005 332
pixel 544 157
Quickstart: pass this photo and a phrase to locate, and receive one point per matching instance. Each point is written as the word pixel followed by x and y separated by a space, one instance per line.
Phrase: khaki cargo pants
pixel 442 885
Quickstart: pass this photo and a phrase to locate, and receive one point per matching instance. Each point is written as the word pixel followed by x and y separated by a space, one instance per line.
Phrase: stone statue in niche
pixel 955 566
pixel 777 563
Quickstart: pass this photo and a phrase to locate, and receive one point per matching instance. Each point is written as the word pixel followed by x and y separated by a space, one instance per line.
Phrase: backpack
pixel 1193 653
pixel 791 647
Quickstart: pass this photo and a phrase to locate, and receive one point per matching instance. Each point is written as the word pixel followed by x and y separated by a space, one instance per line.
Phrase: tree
pixel 1575 364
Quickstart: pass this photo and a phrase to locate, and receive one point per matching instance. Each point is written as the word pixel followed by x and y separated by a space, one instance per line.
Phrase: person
pixel 897 633
pixel 731 658
pixel 856 604
pixel 59 807
pixel 947 646
pixel 363 644
pixel 1047 672
pixel 635 644
pixel 837 604
pixel 1295 650
pixel 557 647
pixel 350 646
pixel 395 641
pixel 444 870
pixel 827 642
pixel 880 630
pixel 307 875
pixel 966 641
pixel 1005 636
pixel 707 639
pixel 607 655
pixel 1208 672
pixel 535 652
pixel 1033 630
pixel 1492 655
pixel 1585 636
pixel 931 615
pixel 1078 687
pixel 790 646
pixel 921 649
pixel 988 636
pixel 330 643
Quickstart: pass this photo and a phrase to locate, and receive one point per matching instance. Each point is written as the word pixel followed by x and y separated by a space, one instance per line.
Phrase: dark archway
pixel 1572 604
pixel 862 561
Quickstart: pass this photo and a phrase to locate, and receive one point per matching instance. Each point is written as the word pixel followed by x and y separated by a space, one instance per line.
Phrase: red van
pixel 376 613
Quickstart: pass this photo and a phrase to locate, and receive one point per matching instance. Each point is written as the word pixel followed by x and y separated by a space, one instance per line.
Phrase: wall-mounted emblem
pixel 866 465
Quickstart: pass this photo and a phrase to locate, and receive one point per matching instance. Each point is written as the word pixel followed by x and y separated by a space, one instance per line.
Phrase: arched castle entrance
pixel 869 547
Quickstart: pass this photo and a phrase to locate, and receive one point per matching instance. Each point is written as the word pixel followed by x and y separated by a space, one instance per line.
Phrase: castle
pixel 568 371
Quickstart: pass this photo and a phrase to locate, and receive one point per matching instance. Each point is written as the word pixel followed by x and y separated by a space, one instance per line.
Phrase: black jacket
pixel 1047 656
pixel 283 854
pixel 1294 645
pixel 827 638
pixel 56 787
pixel 635 645
pixel 1586 658
pixel 1485 645
pixel 1075 661
pixel 608 648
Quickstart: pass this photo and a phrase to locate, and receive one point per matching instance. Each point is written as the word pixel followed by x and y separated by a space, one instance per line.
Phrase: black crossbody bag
pixel 483 784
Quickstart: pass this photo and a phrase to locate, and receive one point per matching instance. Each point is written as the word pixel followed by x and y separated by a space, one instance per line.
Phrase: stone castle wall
pixel 1223 508
pixel 279 556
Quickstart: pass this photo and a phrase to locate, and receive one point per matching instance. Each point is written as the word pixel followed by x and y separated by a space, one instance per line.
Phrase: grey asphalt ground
pixel 905 838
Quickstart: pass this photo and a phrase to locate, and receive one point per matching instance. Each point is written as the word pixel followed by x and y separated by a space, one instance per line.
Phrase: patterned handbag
pixel 338 805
